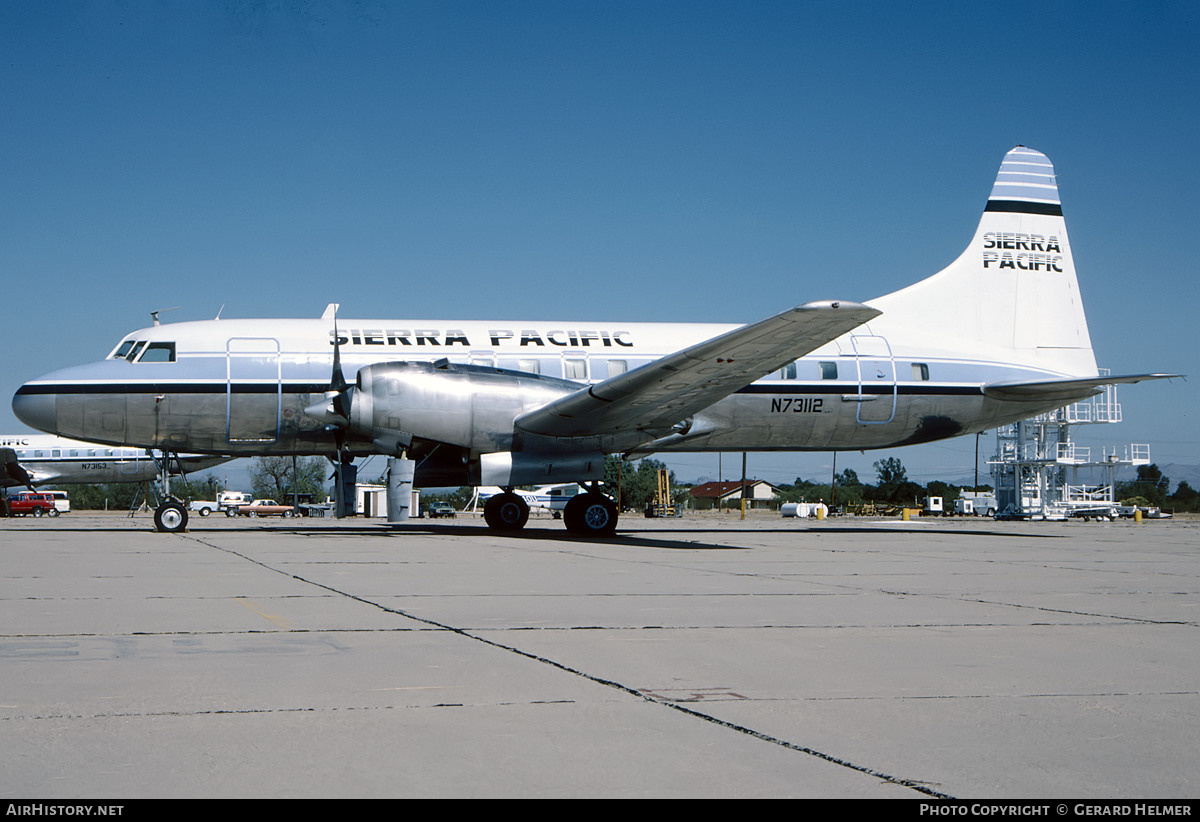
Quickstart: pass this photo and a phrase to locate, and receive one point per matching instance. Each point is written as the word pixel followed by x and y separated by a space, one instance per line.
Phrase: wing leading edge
pixel 657 396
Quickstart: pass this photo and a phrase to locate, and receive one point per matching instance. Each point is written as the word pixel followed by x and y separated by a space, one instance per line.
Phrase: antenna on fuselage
pixel 154 314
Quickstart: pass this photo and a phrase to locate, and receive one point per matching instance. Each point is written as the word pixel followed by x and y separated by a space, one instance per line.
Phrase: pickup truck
pixel 31 503
pixel 224 500
pixel 262 508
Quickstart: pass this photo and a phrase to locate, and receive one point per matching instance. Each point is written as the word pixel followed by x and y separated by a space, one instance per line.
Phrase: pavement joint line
pixel 918 786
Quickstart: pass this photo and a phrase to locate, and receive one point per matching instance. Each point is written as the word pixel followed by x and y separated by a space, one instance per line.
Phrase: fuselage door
pixel 253 389
pixel 876 379
pixel 127 461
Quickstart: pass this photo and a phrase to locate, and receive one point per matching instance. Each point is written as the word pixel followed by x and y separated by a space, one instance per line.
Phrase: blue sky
pixel 690 161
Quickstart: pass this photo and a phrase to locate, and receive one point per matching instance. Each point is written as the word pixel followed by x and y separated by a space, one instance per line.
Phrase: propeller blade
pixel 337 382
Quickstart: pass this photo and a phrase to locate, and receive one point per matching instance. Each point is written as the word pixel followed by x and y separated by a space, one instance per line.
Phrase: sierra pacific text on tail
pixel 997 336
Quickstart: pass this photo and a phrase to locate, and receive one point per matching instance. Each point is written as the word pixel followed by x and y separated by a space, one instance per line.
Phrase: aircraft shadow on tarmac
pixel 687 536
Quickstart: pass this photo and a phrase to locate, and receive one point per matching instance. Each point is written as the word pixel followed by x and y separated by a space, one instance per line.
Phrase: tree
pixel 278 478
pixel 849 489
pixel 803 490
pixel 949 493
pixel 113 496
pixel 637 486
pixel 894 485
pixel 1185 498
pixel 890 472
pixel 196 488
pixel 1150 483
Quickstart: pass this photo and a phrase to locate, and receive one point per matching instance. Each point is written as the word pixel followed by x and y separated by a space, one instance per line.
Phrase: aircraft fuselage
pixel 240 391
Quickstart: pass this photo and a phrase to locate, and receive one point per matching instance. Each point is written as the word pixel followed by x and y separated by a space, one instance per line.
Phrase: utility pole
pixel 743 485
pixel 833 482
pixel 976 488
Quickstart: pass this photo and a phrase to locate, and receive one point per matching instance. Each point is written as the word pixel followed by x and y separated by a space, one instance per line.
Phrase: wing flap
pixel 659 395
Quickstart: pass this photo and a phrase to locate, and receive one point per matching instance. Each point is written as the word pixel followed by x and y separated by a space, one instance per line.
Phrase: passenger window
pixel 788 372
pixel 920 371
pixel 616 367
pixel 159 352
pixel 529 366
pixel 574 368
pixel 828 370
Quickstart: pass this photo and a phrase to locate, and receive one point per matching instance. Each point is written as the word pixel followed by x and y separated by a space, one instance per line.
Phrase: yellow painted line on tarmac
pixel 275 618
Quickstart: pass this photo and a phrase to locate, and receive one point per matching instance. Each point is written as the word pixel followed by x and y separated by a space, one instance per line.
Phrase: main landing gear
pixel 506 512
pixel 591 514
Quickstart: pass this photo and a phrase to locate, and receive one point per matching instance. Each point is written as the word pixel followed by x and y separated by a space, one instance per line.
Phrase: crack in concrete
pixel 920 787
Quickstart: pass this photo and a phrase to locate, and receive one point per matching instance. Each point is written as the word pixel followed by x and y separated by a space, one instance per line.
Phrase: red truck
pixel 31 503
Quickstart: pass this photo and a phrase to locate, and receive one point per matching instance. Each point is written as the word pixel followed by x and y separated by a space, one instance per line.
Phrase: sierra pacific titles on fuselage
pixel 498 338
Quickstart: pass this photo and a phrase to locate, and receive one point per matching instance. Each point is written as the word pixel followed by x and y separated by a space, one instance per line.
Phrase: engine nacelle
pixel 506 468
pixel 471 406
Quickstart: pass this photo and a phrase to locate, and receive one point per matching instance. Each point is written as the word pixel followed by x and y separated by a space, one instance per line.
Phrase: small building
pixel 728 494
pixel 372 500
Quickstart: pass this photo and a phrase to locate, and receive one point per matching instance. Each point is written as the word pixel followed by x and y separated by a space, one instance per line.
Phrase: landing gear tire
pixel 506 512
pixel 170 517
pixel 591 515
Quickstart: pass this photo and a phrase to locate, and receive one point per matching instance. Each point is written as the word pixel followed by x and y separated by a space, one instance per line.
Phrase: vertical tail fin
pixel 1013 293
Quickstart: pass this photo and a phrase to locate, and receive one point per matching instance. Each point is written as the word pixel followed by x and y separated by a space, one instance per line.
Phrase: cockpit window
pixel 122 350
pixel 137 349
pixel 159 352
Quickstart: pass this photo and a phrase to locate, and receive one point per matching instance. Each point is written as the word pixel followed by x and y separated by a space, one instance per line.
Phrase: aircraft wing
pixel 655 397
pixel 1067 390
pixel 11 472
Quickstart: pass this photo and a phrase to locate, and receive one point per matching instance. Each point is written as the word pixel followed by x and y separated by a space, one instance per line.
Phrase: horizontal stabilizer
pixel 1068 390
pixel 660 394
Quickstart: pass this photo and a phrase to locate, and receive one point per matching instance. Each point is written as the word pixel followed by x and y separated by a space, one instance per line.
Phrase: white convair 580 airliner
pixel 998 336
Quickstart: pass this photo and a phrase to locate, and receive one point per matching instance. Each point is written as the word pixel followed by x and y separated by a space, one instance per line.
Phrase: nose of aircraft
pixel 36 410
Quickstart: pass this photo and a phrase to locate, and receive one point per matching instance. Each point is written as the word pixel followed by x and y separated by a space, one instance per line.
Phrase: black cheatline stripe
pixel 173 388
pixel 315 388
pixel 1024 207
pixel 852 388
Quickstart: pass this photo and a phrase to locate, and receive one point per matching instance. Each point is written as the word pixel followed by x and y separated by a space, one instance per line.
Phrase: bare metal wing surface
pixel 658 395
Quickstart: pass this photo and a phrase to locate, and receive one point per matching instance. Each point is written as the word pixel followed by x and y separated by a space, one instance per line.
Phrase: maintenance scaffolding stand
pixel 1037 467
